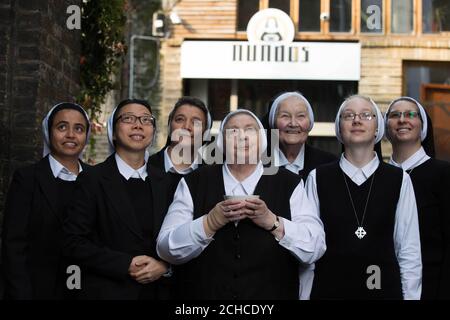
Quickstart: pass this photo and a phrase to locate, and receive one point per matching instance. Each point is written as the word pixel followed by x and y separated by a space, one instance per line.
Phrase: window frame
pixel 355 33
pixel 420 24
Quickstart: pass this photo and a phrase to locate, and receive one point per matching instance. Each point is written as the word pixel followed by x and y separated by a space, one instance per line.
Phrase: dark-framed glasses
pixel 131 118
pixel 365 116
pixel 410 114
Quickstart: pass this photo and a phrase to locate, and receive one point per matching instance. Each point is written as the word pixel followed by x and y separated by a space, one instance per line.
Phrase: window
pixel 340 15
pixel 283 5
pixel 372 16
pixel 309 15
pixel 435 16
pixel 402 16
pixel 419 73
pixel 246 9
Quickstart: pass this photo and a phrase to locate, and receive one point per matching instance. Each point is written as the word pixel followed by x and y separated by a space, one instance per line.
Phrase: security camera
pixel 324 16
pixel 158 24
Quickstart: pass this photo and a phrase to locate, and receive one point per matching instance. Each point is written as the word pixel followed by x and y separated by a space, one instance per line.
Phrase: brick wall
pixel 39 66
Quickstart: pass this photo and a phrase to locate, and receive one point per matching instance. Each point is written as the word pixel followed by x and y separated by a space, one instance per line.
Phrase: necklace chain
pixel 360 224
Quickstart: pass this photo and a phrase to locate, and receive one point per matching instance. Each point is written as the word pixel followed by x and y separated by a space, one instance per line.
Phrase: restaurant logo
pixel 270 26
pixel 270 34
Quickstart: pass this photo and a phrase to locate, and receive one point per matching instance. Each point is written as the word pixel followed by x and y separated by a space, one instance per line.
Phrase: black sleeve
pixel 80 243
pixel 444 203
pixel 15 248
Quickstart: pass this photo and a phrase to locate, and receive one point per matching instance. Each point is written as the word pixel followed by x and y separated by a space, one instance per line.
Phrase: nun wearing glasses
pixel 37 200
pixel 119 206
pixel 369 214
pixel 410 131
pixel 292 115
pixel 250 244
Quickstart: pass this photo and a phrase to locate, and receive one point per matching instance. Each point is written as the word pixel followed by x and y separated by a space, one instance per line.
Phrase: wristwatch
pixel 169 272
pixel 276 224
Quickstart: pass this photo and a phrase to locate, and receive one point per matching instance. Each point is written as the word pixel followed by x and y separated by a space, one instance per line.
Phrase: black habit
pixel 33 264
pixel 106 227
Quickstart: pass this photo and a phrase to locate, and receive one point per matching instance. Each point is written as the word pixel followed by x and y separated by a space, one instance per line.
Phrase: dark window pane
pixel 372 16
pixel 435 16
pixel 309 15
pixel 283 5
pixel 402 16
pixel 219 91
pixel 246 9
pixel 324 96
pixel 341 15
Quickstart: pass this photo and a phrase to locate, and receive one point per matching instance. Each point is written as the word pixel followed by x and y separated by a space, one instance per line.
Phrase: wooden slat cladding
pixel 206 19
pixel 381 69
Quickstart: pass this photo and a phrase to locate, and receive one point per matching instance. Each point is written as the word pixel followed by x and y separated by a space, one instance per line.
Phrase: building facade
pixel 380 48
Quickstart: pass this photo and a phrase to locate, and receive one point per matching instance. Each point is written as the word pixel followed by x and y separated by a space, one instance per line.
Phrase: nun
pixel 188 122
pixel 292 115
pixel 119 206
pixel 236 233
pixel 33 264
pixel 410 132
pixel 369 214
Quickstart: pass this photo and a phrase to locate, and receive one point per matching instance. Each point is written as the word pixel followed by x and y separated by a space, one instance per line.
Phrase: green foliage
pixel 102 48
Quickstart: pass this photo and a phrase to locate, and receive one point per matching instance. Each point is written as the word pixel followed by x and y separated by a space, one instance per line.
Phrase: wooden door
pixel 436 99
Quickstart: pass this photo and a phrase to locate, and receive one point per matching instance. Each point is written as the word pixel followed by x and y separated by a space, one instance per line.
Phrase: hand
pixel 222 213
pixel 257 211
pixel 137 263
pixel 151 271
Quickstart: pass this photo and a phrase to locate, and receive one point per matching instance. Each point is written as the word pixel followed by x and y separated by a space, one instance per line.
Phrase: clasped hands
pixel 145 269
pixel 235 210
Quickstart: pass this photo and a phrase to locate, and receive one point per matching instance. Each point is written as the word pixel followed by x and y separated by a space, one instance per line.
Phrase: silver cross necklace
pixel 360 232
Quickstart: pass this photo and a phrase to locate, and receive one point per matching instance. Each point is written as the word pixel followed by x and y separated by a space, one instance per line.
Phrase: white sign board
pixel 294 61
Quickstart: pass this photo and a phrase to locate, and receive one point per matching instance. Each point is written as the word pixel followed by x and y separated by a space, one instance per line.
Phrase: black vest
pixel 431 181
pixel 342 273
pixel 243 261
pixel 140 194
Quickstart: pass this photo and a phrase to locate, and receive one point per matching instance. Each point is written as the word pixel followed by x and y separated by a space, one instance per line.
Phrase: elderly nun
pixel 411 134
pixel 33 265
pixel 236 233
pixel 292 115
pixel 119 206
pixel 369 214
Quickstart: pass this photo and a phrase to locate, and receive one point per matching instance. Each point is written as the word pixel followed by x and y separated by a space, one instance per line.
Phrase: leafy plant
pixel 102 48
pixel 102 51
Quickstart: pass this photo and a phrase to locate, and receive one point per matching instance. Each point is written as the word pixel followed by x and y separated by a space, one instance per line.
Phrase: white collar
pixel 128 172
pixel 169 167
pixel 296 165
pixel 59 171
pixel 248 184
pixel 415 160
pixel 352 171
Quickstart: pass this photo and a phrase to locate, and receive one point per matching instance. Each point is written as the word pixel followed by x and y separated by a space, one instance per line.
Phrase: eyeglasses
pixel 404 114
pixel 131 118
pixel 365 116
